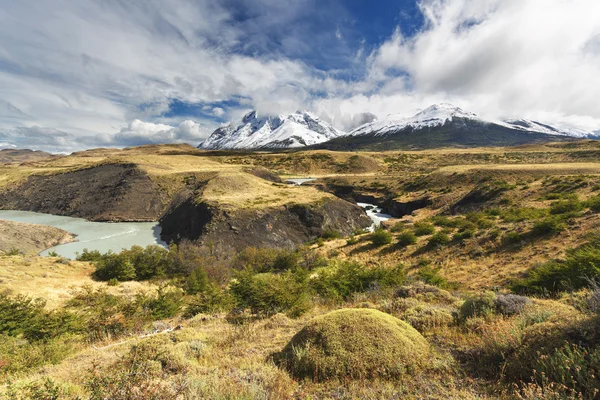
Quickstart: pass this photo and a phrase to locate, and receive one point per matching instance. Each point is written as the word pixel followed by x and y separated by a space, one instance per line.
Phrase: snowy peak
pixel 440 114
pixel 298 129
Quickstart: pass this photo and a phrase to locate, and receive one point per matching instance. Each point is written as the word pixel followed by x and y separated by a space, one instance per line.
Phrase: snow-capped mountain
pixel 271 132
pixel 441 114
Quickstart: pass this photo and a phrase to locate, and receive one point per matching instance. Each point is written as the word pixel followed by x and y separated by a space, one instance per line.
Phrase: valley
pixel 485 256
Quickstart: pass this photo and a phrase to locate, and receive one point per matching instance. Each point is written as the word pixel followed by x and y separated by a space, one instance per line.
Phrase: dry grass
pixel 53 278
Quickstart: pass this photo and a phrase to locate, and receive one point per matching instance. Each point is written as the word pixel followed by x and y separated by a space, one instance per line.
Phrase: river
pixel 375 214
pixel 102 236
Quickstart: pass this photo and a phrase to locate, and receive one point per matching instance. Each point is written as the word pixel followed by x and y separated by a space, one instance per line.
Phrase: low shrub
pixel 566 206
pixel 354 343
pixel 330 235
pixel 438 239
pixel 463 235
pixel 423 229
pixel 407 238
pixel 341 279
pixel 510 304
pixel 210 301
pixel 574 272
pixel 549 226
pixel 431 276
pixel 481 305
pixel 266 294
pixel 380 237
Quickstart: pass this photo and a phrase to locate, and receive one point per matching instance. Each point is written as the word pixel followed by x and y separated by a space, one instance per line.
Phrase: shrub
pixel 352 240
pixel 354 343
pixel 342 279
pixel 330 234
pixel 398 227
pixel 432 276
pixel 463 235
pixel 510 304
pixel 26 317
pixel 380 237
pixel 511 238
pixel 580 265
pixel 438 239
pixel 266 294
pixel 407 238
pixel 593 203
pixel 212 300
pixel 481 305
pixel 549 226
pixel 566 206
pixel 166 304
pixel 423 229
pixel 197 282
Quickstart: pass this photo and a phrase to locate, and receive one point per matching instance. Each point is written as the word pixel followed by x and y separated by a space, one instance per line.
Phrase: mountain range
pixel 440 125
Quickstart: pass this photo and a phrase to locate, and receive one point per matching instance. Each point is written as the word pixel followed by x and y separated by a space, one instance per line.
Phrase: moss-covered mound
pixel 355 343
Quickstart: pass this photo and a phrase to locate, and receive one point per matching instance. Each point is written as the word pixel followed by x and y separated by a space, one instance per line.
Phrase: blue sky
pixel 83 73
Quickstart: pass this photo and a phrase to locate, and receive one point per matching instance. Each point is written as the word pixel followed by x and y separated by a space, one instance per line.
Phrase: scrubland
pixel 483 285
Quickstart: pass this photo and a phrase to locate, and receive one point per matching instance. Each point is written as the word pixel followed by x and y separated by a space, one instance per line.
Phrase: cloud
pixel 499 58
pixel 85 69
pixel 39 138
pixel 139 133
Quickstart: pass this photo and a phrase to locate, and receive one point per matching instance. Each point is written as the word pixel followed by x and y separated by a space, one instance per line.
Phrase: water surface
pixel 102 236
pixel 375 214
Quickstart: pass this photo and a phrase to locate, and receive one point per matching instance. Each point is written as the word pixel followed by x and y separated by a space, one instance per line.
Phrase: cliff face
pixel 231 210
pixel 281 227
pixel 110 192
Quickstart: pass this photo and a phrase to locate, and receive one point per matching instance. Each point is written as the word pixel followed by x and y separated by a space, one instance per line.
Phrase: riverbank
pixel 29 239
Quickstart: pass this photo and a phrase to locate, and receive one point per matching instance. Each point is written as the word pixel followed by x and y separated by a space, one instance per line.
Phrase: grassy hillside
pixel 490 267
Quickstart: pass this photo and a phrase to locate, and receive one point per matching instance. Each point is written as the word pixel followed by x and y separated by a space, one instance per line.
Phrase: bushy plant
pixel 266 294
pixel 439 239
pixel 566 206
pixel 197 282
pixel 549 226
pixel 342 279
pixel 481 305
pixel 330 235
pixel 431 276
pixel 354 343
pixel 380 237
pixel 423 229
pixel 510 304
pixel 210 301
pixel 407 238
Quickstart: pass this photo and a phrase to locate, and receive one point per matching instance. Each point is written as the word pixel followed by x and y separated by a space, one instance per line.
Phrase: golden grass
pixel 53 278
pixel 563 168
pixel 247 191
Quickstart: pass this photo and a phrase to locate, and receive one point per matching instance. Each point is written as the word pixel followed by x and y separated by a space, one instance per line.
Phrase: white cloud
pixel 499 58
pixel 87 68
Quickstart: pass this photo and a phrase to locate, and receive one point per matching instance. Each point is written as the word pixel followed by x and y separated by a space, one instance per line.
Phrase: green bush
pixel 380 237
pixel 481 305
pixel 566 206
pixel 463 235
pixel 593 203
pixel 197 282
pixel 212 300
pixel 266 294
pixel 342 279
pixel 354 343
pixel 549 226
pixel 432 276
pixel 511 238
pixel 407 238
pixel 21 316
pixel 574 272
pixel 423 229
pixel 439 239
pixel 398 227
pixel 167 303
pixel 330 235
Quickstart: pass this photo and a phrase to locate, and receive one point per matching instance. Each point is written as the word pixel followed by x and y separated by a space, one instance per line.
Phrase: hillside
pixel 476 286
pixel 30 238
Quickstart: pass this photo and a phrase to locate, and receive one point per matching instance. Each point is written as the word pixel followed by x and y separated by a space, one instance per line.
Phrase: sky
pixel 78 74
